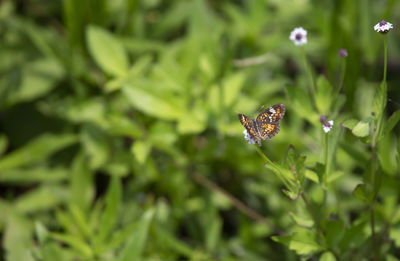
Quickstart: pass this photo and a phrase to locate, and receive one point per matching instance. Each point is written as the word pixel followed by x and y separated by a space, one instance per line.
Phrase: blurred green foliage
pixel 109 110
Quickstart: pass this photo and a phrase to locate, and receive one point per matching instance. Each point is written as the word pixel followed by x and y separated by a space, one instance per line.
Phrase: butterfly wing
pixel 272 115
pixel 268 121
pixel 248 124
pixel 268 130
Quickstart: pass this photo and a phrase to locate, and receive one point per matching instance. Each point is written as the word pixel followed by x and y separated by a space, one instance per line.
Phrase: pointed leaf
pixel 136 242
pixel 110 214
pixel 380 97
pixel 362 128
pixel 141 150
pixel 350 123
pixel 392 121
pixel 152 104
pixel 107 51
pixel 360 192
pixel 304 242
pixel 36 150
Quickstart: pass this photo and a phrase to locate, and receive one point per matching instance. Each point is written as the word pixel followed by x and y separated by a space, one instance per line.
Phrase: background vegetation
pixel 120 138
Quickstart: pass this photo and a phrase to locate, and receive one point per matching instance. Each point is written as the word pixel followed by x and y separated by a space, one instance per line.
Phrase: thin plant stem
pixel 385 59
pixel 325 180
pixel 374 158
pixel 268 161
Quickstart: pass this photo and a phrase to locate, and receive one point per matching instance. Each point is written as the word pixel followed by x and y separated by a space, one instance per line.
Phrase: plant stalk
pixel 268 161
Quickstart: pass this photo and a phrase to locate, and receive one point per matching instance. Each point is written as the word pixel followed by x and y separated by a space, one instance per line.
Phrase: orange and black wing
pixel 247 123
pixel 271 115
pixel 268 130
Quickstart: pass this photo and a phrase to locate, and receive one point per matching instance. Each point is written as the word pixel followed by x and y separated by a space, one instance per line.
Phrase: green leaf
pixel 301 104
pixel 152 104
pixel 17 239
pixel 395 235
pixel 213 233
pixel 74 242
pixel 135 244
pixel 41 232
pixel 193 122
pixel 167 239
pixel 32 175
pixel 96 145
pixel 81 183
pixel 107 51
pixel 327 256
pixel 282 239
pixel 355 236
pixel 41 198
pixel 110 214
pixel 38 78
pixel 123 126
pixel 302 241
pixel 141 150
pixel 36 150
pixel 295 163
pixel 361 192
pixel 119 237
pixel 392 121
pixel 292 195
pixel 301 221
pixel 334 232
pixel 80 221
pixel 311 175
pixel 350 123
pixel 362 128
pixel 380 97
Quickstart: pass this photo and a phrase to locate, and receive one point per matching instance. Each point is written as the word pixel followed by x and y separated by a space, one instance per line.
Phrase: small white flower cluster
pixel 327 126
pixel 383 27
pixel 298 36
pixel 248 137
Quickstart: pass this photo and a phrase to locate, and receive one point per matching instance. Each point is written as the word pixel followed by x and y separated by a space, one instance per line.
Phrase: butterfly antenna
pixel 261 109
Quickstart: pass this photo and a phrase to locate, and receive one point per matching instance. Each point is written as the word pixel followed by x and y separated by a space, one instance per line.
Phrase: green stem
pixel 385 57
pixel 268 161
pixel 325 179
pixel 374 158
pixel 372 212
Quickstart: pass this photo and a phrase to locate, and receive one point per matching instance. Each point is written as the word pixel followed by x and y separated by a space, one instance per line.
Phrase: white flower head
pixel 383 27
pixel 327 126
pixel 248 137
pixel 298 36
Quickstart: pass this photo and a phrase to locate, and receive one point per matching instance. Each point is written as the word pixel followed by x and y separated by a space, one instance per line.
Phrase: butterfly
pixel 266 125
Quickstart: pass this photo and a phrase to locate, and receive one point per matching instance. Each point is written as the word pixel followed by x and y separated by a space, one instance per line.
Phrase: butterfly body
pixel 266 125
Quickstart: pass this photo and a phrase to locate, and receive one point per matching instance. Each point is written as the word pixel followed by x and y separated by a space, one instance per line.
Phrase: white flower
pixel 383 27
pixel 298 36
pixel 327 126
pixel 248 137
